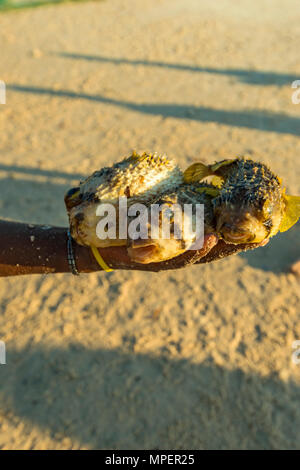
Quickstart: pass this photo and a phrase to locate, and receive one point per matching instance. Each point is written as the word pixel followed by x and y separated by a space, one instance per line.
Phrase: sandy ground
pixel 199 358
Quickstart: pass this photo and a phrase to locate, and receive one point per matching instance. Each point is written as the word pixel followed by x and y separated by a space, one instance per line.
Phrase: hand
pixel 39 249
pixel 212 250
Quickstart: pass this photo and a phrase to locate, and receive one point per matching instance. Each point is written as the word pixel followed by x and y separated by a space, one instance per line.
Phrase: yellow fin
pixel 216 166
pixel 292 212
pixel 217 181
pixel 209 190
pixel 196 173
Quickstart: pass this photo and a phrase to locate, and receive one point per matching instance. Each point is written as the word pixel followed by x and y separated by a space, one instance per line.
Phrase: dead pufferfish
pixel 146 179
pixel 250 204
pixel 244 203
pixel 141 178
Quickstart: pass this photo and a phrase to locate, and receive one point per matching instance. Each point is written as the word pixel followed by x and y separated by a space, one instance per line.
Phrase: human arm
pixel 42 249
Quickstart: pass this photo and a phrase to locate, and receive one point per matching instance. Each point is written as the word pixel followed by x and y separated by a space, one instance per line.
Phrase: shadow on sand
pixel 278 254
pixel 263 121
pixel 252 77
pixel 34 195
pixel 118 399
pixel 122 400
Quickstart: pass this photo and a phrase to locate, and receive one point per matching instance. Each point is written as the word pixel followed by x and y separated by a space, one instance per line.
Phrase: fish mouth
pixel 236 236
pixel 243 228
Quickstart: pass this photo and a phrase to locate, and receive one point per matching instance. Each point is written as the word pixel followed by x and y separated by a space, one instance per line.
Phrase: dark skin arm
pixel 40 249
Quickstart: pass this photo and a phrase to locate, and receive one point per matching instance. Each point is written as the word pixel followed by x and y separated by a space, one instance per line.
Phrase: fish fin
pixel 196 173
pixel 217 181
pixel 216 166
pixel 209 190
pixel 292 212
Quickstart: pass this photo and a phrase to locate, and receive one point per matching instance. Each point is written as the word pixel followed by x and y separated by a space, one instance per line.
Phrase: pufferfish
pixel 139 178
pixel 246 204
pixel 250 204
pixel 147 179
pixel 184 228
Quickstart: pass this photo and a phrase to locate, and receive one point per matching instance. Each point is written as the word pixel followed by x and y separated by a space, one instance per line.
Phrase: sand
pixel 197 359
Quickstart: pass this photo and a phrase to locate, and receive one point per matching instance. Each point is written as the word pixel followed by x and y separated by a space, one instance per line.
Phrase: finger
pixel 118 258
pixel 223 249
pixel 190 257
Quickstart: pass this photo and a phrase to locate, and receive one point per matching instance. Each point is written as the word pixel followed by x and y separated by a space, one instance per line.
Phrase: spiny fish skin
pixel 250 205
pixel 140 178
pixel 139 175
pixel 147 179
pixel 164 249
pixel 249 182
